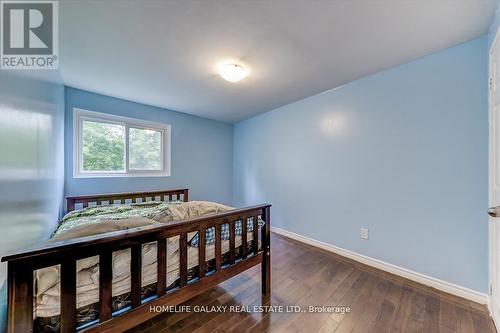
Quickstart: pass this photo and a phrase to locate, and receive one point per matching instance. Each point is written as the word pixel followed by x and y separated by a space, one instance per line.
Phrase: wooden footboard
pixel 22 264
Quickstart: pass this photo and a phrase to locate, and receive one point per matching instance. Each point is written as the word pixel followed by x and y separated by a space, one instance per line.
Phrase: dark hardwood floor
pixel 303 275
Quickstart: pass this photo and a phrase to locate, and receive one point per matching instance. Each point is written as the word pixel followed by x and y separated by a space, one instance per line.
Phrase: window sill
pixel 121 175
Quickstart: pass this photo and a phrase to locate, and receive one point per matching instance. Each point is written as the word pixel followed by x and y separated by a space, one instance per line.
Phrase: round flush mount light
pixel 232 72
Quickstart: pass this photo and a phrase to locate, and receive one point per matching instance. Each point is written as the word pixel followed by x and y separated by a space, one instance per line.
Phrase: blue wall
pixel 31 163
pixel 403 152
pixel 201 151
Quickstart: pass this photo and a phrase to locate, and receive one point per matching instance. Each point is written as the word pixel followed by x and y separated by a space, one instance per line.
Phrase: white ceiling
pixel 165 53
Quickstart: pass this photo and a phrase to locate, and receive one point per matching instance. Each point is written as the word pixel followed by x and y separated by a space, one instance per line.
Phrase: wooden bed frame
pixel 22 264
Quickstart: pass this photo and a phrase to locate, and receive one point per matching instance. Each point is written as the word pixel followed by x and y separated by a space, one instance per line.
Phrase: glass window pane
pixel 144 149
pixel 103 147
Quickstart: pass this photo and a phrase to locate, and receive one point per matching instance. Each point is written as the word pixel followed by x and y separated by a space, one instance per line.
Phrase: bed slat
pixel 255 240
pixel 201 253
pixel 136 274
pixel 105 285
pixel 183 259
pixel 244 245
pixel 218 252
pixel 266 247
pixel 231 242
pixel 68 296
pixel 161 284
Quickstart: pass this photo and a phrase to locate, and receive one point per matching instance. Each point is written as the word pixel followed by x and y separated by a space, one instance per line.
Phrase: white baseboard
pixel 448 287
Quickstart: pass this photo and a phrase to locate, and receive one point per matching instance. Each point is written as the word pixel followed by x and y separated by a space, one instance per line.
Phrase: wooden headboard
pixel 122 198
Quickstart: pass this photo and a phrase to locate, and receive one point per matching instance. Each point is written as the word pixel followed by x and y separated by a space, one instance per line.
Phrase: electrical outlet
pixel 364 233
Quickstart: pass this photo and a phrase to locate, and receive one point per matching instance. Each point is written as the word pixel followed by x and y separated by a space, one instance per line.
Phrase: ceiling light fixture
pixel 232 72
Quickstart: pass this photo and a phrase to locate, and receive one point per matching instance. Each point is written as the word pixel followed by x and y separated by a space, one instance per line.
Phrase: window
pixel 112 146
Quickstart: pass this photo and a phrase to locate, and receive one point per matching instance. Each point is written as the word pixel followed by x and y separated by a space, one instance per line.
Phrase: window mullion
pixel 127 138
pixel 80 145
pixel 162 151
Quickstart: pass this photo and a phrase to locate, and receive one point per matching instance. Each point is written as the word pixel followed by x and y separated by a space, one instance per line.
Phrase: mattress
pixel 46 305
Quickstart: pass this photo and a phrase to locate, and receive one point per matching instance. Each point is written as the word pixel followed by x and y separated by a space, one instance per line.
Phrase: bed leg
pixel 20 298
pixel 266 248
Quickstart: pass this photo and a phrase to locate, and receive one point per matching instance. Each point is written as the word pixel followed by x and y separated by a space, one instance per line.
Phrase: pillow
pixel 192 209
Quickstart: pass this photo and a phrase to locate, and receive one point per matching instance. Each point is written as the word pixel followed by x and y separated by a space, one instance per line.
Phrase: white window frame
pixel 80 115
